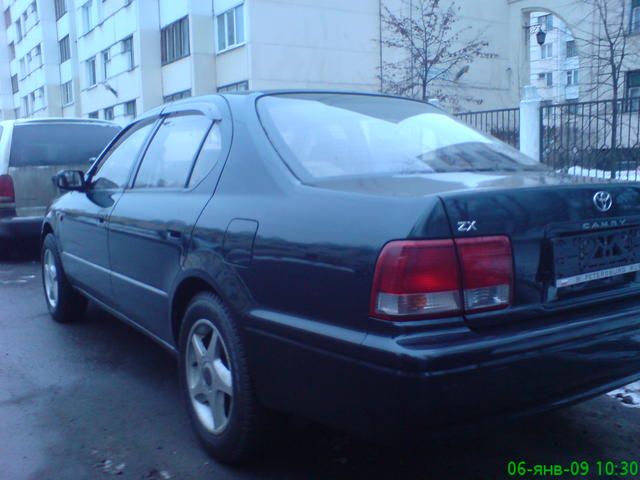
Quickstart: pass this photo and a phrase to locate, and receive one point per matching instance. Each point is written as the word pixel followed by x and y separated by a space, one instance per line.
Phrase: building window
pixel 18 30
pixel 230 26
pixel 234 87
pixel 127 51
pixel 88 18
pixel 25 106
pixel 175 41
pixel 65 50
pixel 14 83
pixel 546 78
pixel 106 63
pixel 23 68
pixel 61 8
pixel 108 113
pixel 12 51
pixel 67 93
pixel 16 112
pixel 37 56
pixel 546 21
pixel 546 50
pixel 94 114
pixel 572 50
pixel 633 90
pixel 38 99
pixel 635 16
pixel 572 77
pixel 7 17
pixel 177 96
pixel 130 109
pixel 91 72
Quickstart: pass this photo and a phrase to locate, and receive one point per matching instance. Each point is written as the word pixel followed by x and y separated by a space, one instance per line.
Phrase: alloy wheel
pixel 50 275
pixel 209 377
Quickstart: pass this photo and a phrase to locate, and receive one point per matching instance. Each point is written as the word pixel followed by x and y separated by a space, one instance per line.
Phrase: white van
pixel 32 151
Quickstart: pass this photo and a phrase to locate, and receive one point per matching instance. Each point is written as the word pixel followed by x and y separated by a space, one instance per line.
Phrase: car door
pixel 82 216
pixel 150 226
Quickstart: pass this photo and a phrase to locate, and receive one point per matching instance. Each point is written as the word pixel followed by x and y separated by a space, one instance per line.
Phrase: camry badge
pixel 603 201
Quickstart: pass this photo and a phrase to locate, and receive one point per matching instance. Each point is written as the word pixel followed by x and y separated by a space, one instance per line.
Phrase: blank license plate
pixel 595 256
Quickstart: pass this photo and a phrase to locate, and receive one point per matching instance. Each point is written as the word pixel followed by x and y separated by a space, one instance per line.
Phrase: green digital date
pixel 583 468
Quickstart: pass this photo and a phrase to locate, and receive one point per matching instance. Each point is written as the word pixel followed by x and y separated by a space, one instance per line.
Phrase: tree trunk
pixel 613 157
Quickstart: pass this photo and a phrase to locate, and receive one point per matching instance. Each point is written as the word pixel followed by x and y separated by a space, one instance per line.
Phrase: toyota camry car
pixel 32 151
pixel 359 260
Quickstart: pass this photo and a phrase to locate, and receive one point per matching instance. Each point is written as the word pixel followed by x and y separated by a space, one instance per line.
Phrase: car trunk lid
pixel 572 244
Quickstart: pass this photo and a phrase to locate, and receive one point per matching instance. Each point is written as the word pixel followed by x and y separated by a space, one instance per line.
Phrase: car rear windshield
pixel 58 144
pixel 333 135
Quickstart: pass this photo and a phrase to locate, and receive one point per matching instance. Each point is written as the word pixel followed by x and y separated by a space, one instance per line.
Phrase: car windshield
pixel 333 135
pixel 62 143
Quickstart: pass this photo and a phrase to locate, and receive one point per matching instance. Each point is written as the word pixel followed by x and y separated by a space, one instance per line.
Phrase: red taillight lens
pixel 487 272
pixel 7 194
pixel 419 279
pixel 416 278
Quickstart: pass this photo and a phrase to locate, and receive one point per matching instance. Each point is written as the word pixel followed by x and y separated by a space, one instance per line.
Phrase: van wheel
pixel 64 303
pixel 215 381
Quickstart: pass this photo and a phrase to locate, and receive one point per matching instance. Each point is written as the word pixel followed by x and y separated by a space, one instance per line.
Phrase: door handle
pixel 173 235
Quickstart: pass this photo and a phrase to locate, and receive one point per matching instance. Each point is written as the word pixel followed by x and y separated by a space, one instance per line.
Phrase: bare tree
pixel 429 50
pixel 604 39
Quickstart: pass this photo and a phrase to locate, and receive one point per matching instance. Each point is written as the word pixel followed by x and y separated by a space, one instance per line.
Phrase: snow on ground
pixel 629 175
pixel 629 395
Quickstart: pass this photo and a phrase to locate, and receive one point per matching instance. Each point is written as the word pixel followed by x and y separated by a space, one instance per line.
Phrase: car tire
pixel 65 304
pixel 216 382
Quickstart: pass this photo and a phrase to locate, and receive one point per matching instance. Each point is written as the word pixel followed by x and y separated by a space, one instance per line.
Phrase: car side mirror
pixel 91 160
pixel 70 180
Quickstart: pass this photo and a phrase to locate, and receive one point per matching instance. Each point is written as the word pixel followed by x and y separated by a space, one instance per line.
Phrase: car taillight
pixel 421 279
pixel 416 278
pixel 487 272
pixel 7 194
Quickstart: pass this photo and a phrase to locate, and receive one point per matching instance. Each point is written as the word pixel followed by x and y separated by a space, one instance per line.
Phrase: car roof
pixel 58 120
pixel 200 102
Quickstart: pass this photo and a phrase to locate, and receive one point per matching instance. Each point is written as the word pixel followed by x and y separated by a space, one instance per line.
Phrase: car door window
pixel 208 156
pixel 115 167
pixel 169 158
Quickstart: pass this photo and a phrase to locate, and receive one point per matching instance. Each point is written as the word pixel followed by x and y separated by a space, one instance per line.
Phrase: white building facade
pixel 114 59
pixel 555 65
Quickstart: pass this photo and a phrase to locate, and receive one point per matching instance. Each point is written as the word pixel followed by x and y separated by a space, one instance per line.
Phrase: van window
pixel 70 144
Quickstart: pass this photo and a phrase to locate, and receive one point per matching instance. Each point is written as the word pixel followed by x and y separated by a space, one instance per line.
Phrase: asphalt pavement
pixel 96 399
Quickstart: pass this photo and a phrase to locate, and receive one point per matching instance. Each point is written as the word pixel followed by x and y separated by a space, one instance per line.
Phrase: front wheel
pixel 64 303
pixel 214 377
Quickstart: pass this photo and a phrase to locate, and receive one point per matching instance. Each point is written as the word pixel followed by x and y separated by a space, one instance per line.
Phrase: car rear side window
pixel 169 158
pixel 115 166
pixel 322 135
pixel 64 143
pixel 208 156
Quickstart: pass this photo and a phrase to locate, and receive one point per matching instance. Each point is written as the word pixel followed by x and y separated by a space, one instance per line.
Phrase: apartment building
pixel 114 59
pixel 555 65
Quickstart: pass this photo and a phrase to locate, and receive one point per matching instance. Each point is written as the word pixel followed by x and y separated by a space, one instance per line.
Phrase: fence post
pixel 530 122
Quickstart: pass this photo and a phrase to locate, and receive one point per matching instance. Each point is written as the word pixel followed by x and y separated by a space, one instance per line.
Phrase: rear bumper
pixel 20 227
pixel 390 386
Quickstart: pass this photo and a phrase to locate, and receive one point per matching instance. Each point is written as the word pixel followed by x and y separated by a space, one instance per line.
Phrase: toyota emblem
pixel 603 201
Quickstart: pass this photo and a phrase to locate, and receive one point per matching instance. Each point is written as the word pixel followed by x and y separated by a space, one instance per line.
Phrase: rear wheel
pixel 64 303
pixel 215 380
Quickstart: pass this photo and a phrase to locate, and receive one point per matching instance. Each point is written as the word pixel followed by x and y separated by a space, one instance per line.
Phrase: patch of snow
pixel 628 395
pixel 629 175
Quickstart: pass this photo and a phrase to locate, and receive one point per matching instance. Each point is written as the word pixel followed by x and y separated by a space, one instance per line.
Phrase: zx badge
pixel 467 226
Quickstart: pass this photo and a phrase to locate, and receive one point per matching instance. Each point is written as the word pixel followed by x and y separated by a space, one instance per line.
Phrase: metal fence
pixel 503 124
pixel 592 139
